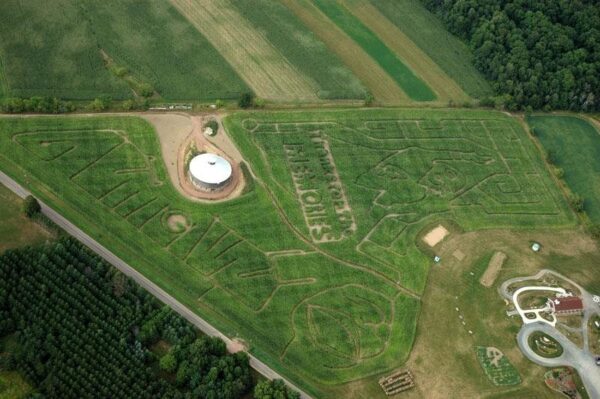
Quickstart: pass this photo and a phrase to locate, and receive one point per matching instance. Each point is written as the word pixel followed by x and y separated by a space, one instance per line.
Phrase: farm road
pixel 572 356
pixel 155 290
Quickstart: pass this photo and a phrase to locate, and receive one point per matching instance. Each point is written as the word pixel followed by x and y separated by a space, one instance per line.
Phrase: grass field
pixel 420 63
pixel 51 54
pixel 345 192
pixel 574 145
pixel 57 52
pixel 3 87
pixel 414 87
pixel 430 35
pixel 443 359
pixel 12 383
pixel 13 386
pixel 15 229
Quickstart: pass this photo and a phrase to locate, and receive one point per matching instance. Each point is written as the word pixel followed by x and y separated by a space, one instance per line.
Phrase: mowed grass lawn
pixel 15 229
pixel 56 51
pixel 574 145
pixel 414 87
pixel 429 33
pixel 336 296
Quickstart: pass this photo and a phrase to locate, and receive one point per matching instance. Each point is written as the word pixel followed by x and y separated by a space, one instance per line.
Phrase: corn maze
pixel 316 267
pixel 497 367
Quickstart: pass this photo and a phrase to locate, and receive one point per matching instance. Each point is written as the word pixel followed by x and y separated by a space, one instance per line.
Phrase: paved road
pixel 155 290
pixel 572 356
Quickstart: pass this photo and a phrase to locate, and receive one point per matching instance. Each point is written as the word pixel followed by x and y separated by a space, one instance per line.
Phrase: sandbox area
pixel 493 269
pixel 436 236
pixel 178 133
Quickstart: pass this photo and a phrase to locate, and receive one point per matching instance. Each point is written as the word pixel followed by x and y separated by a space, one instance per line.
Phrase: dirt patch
pixel 177 223
pixel 436 235
pixel 493 269
pixel 177 133
pixel 458 254
pixel 237 345
pixel 172 130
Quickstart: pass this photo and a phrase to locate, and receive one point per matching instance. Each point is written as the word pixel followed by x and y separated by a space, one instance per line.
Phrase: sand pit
pixel 458 254
pixel 435 236
pixel 493 269
pixel 237 345
pixel 177 223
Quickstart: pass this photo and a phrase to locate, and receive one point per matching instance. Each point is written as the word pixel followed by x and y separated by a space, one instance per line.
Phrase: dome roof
pixel 210 168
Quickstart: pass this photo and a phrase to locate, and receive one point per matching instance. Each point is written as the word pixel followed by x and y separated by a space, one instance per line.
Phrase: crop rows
pixel 290 297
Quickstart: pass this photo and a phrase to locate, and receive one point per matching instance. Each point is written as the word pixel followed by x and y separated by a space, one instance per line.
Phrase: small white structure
pixel 535 247
pixel 210 171
pixel 208 131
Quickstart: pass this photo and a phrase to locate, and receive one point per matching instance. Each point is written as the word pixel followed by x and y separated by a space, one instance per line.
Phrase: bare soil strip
pixel 493 269
pixel 435 236
pixel 252 56
pixel 419 62
pixel 377 81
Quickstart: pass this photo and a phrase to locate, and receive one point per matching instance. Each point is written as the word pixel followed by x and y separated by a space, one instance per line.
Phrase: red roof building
pixel 566 305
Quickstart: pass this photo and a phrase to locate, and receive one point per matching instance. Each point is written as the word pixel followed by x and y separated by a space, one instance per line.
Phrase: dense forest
pixel 539 54
pixel 84 330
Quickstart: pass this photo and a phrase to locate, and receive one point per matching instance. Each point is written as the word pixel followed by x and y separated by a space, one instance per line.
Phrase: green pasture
pixel 13 386
pixel 16 230
pixel 52 51
pixel 336 296
pixel 302 48
pixel 574 145
pixel 414 87
pixel 57 51
pixel 429 33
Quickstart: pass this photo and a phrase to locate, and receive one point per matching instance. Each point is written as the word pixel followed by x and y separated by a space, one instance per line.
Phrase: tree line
pixel 84 330
pixel 541 54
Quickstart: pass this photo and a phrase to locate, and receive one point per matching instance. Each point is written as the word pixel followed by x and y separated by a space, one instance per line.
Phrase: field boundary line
pixel 143 281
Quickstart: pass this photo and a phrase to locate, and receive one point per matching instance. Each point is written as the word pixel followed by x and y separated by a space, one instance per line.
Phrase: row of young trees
pixel 540 54
pixel 53 105
pixel 84 331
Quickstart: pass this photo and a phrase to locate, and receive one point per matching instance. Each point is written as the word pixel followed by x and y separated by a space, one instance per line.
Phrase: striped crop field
pixel 420 63
pixel 253 57
pixel 302 47
pixel 371 74
pixel 425 30
pixel 414 87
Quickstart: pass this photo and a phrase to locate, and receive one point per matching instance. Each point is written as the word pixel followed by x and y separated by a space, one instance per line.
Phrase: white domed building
pixel 210 172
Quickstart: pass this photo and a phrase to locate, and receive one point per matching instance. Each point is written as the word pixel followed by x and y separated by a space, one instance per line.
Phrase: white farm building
pixel 210 171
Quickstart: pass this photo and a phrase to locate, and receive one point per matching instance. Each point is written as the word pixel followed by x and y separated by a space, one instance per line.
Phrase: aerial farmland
pixel 296 199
